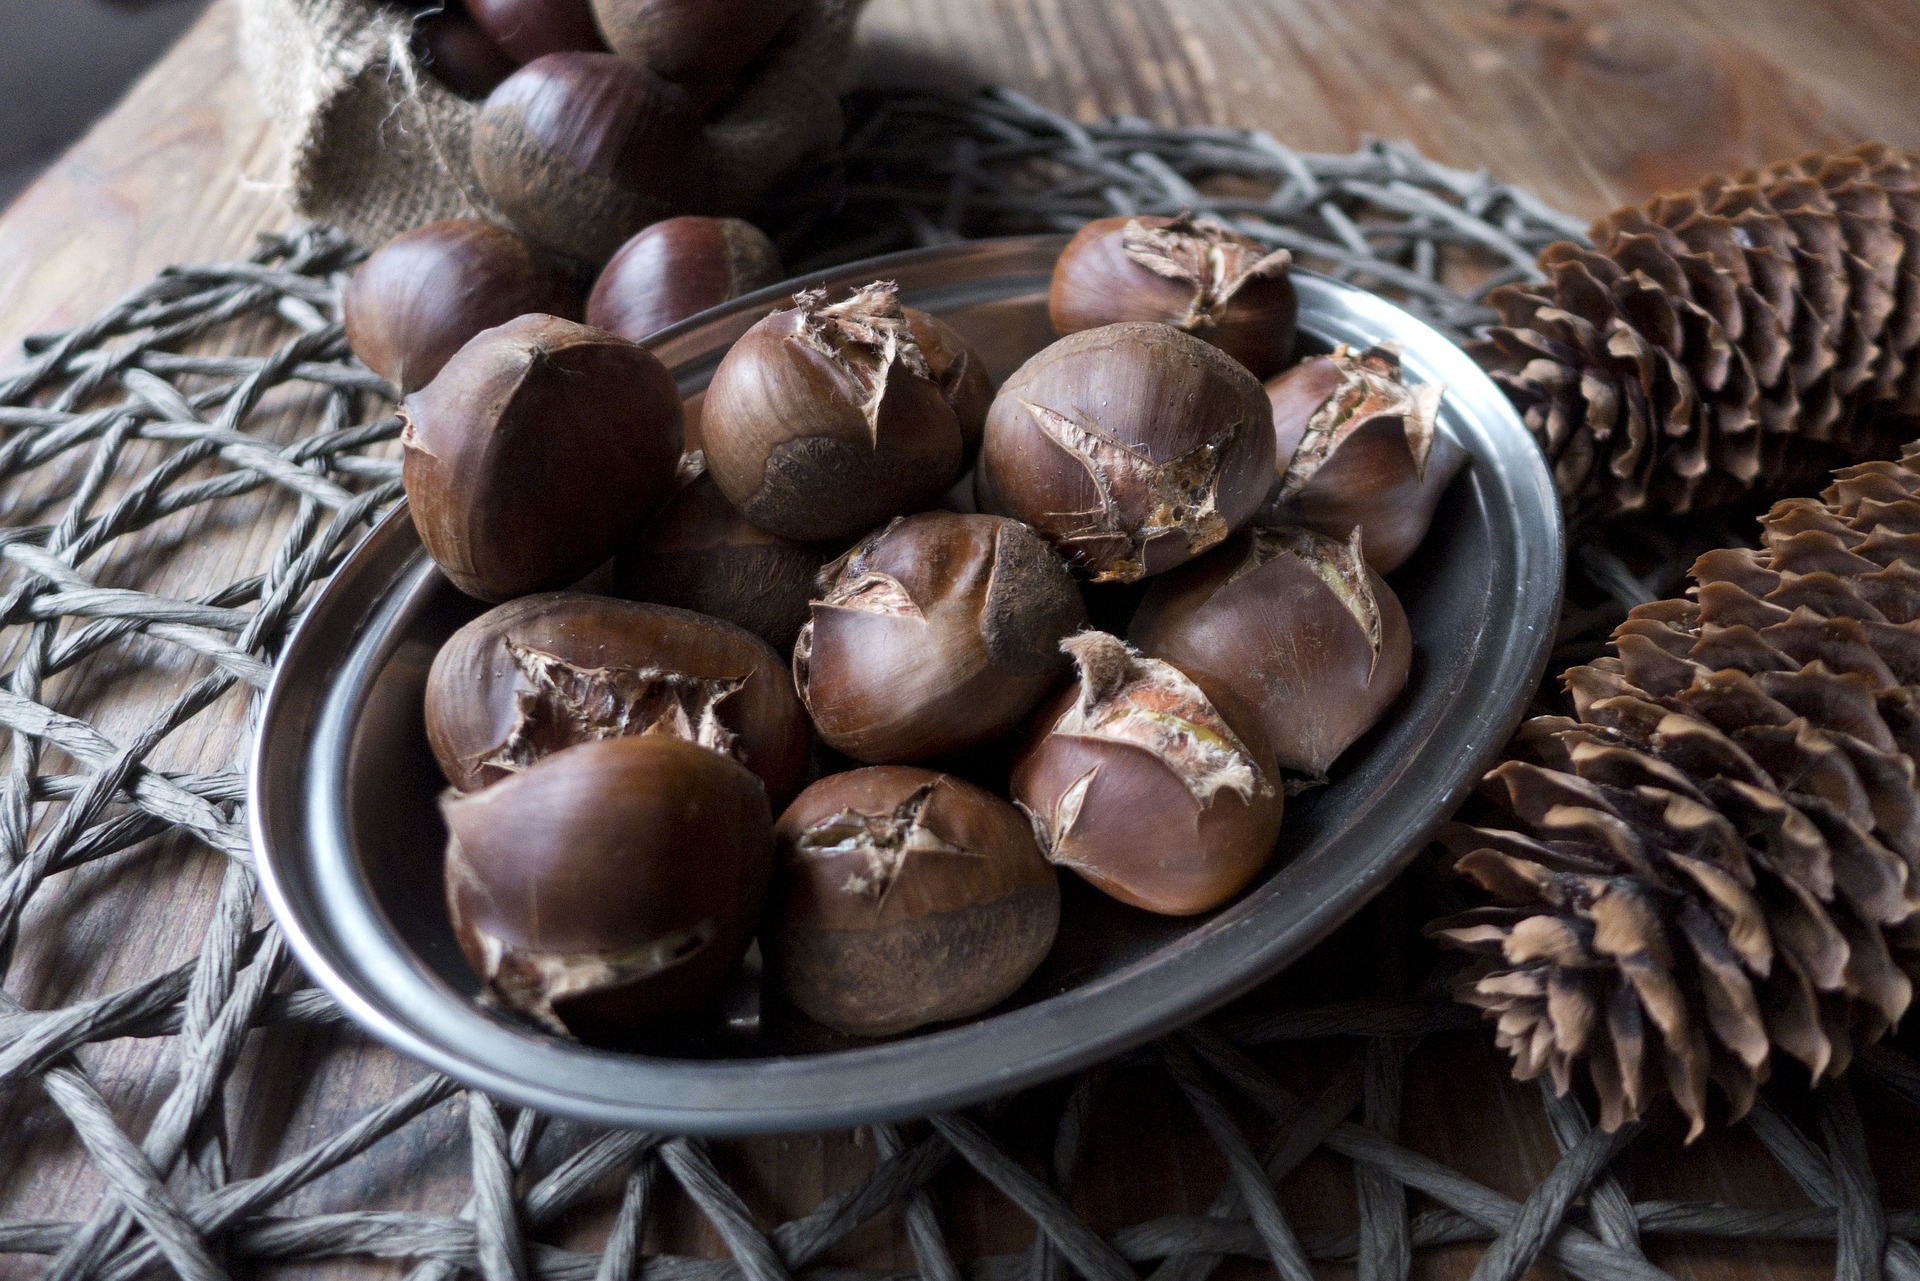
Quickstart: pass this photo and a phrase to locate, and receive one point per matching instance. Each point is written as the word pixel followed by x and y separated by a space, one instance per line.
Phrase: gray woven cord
pixel 126 422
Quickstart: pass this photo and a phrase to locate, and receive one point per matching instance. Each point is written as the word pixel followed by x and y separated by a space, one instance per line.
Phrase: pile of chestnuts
pixel 823 692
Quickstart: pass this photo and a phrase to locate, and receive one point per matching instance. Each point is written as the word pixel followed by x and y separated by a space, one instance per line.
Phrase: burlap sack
pixel 376 145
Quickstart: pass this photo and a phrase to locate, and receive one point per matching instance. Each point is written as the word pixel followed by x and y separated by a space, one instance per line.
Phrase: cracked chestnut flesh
pixel 1136 780
pixel 610 886
pixel 541 674
pixel 538 449
pixel 909 897
pixel 1295 626
pixel 1188 272
pixel 939 632
pixel 826 418
pixel 1132 448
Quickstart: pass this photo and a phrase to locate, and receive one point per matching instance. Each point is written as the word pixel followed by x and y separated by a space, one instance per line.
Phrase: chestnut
pixel 701 554
pixel 538 450
pixel 1132 448
pixel 679 268
pixel 1293 625
pixel 693 40
pixel 461 56
pixel 418 298
pixel 537 675
pixel 958 370
pixel 907 897
pixel 825 419
pixel 582 150
pixel 936 633
pixel 612 885
pixel 1136 780
pixel 529 29
pixel 1188 272
pixel 1355 447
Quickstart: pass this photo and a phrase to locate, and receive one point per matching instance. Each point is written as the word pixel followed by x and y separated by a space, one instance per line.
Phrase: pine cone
pixel 1720 856
pixel 1746 335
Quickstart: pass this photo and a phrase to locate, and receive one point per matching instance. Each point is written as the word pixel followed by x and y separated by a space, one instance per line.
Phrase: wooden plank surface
pixel 1588 103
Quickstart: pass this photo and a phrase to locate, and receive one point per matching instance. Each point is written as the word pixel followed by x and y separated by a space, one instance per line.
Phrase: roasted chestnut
pixel 1132 448
pixel 542 673
pixel 1137 780
pixel 701 554
pixel 461 56
pixel 1356 448
pixel 938 632
pixel 824 419
pixel 1188 272
pixel 582 150
pixel 418 298
pixel 536 452
pixel 1291 624
pixel 679 268
pixel 907 897
pixel 529 29
pixel 612 885
pixel 693 40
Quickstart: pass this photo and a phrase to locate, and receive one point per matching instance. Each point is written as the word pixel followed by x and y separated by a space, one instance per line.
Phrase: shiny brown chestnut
pixel 1132 448
pixel 536 452
pixel 1357 448
pixel 612 885
pixel 1139 782
pixel 1293 625
pixel 1188 272
pixel 529 29
pixel 907 897
pixel 936 633
pixel 679 268
pixel 460 55
pixel 582 150
pixel 958 370
pixel 418 298
pixel 537 675
pixel 701 554
pixel 693 41
pixel 825 418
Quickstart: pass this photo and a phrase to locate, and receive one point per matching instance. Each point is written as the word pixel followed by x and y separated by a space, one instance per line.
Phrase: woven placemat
pixel 126 435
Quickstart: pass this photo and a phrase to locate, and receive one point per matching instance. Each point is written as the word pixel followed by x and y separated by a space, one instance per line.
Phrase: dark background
pixel 63 63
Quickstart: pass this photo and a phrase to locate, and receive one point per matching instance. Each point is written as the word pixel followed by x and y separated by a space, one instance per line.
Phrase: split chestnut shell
pixel 1138 781
pixel 543 673
pixel 1132 448
pixel 907 897
pixel 612 885
pixel 1293 625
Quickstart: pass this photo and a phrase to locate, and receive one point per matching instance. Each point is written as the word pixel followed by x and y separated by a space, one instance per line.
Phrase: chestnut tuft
pixel 908 897
pixel 679 268
pixel 529 29
pixel 582 150
pixel 536 452
pixel 542 673
pixel 1293 625
pixel 1356 448
pixel 461 56
pixel 701 554
pixel 1132 448
pixel 693 41
pixel 825 419
pixel 936 633
pixel 1188 272
pixel 418 298
pixel 610 886
pixel 1136 780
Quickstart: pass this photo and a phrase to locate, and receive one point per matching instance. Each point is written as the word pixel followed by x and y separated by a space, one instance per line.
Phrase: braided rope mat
pixel 132 442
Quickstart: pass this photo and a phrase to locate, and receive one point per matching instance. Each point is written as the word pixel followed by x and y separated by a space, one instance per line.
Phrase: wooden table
pixel 1588 103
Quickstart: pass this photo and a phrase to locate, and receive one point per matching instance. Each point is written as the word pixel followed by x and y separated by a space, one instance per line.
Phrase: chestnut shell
pixel 679 268
pixel 611 886
pixel 693 40
pixel 543 673
pixel 907 897
pixel 529 29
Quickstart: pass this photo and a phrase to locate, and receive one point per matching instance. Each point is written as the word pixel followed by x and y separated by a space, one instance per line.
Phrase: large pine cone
pixel 1749 334
pixel 1719 856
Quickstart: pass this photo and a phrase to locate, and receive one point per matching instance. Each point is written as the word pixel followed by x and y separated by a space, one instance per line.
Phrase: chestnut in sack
pixel 1293 625
pixel 907 897
pixel 612 885
pixel 1136 780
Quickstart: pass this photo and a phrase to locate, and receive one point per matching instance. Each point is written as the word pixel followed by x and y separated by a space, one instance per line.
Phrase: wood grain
pixel 1589 102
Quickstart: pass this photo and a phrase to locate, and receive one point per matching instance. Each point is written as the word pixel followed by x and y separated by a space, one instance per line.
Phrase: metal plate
pixel 349 841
